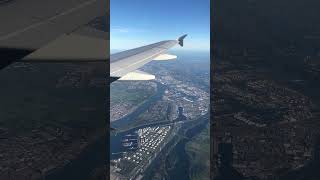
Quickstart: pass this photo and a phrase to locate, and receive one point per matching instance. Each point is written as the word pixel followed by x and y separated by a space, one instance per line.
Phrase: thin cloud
pixel 126 30
pixel 120 30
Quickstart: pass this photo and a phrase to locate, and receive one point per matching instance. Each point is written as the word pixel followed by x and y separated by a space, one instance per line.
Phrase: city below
pixel 168 108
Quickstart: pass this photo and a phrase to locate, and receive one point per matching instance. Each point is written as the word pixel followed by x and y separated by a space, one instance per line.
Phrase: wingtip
pixel 180 39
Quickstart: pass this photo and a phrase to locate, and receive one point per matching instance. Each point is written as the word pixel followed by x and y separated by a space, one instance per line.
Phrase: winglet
pixel 180 39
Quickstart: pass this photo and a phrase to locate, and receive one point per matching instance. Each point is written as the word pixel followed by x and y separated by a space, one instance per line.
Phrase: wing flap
pixel 137 75
pixel 164 57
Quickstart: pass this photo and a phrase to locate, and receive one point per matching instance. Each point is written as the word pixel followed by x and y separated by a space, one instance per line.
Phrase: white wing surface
pixel 123 65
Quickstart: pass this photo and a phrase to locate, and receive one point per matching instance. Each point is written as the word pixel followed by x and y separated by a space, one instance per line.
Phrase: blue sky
pixel 134 23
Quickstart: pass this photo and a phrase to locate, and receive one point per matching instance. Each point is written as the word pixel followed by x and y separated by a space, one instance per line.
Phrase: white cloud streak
pixel 117 29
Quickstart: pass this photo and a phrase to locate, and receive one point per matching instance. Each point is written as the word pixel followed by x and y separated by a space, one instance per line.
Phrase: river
pixel 189 130
pixel 182 171
pixel 116 148
pixel 142 108
pixel 94 156
pixel 115 140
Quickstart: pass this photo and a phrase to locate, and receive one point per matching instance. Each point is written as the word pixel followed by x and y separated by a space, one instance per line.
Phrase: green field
pixel 136 94
pixel 198 150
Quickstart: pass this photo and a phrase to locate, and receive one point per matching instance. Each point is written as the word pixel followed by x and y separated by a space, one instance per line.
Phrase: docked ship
pixel 130 142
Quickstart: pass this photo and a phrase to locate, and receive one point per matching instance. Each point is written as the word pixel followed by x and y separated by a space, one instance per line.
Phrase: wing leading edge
pixel 123 65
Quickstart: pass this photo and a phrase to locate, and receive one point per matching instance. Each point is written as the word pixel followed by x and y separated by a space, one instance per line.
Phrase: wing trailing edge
pixel 71 48
pixel 164 57
pixel 137 75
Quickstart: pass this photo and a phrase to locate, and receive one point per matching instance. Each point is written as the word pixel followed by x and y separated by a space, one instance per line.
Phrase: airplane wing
pixel 49 30
pixel 124 65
